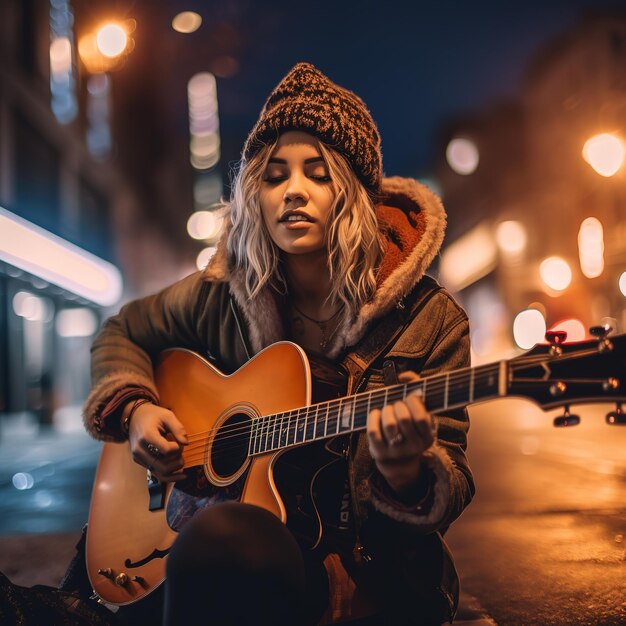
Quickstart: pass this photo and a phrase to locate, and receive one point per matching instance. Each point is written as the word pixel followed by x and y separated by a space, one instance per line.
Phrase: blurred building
pixel 535 223
pixel 57 241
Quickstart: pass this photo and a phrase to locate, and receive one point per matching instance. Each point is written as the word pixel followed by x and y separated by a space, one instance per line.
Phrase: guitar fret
pixel 283 431
pixel 274 432
pixel 311 423
pixel 327 419
pixel 299 428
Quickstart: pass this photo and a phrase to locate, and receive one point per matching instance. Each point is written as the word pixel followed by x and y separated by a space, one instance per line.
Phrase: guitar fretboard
pixel 316 422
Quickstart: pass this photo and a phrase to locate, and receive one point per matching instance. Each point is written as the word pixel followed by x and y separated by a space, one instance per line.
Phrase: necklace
pixel 323 325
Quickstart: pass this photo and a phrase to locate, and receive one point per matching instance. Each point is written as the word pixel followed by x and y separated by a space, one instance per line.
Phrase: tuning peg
pixel 567 419
pixel 556 338
pixel 600 331
pixel 617 417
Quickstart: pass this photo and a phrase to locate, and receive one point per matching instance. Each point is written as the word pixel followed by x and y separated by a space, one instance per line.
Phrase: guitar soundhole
pixel 230 446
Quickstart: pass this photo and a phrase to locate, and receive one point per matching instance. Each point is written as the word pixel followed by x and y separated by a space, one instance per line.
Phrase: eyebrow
pixel 306 161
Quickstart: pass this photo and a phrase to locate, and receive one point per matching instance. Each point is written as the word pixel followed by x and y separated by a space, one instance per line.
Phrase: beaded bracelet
pixel 126 422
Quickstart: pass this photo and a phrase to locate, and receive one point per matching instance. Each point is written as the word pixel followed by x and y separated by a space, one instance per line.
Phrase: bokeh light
pixel 511 237
pixel 462 156
pixel 529 328
pixel 591 247
pixel 76 322
pixel 204 224
pixel 111 40
pixel 622 284
pixel 186 22
pixel 605 153
pixel 556 273
pixel 205 256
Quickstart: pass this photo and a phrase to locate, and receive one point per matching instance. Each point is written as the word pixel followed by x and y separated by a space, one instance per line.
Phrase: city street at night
pixel 213 212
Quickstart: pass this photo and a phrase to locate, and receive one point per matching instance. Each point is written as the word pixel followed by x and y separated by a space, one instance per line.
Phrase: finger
pixel 167 467
pixel 404 419
pixel 422 420
pixel 390 425
pixel 173 426
pixel 374 430
pixel 408 377
pixel 157 446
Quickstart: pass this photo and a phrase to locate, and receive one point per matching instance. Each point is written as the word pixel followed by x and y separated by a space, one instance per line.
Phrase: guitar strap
pixel 382 336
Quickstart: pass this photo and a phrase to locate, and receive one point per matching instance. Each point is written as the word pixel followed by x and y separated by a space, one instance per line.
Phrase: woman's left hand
pixel 398 437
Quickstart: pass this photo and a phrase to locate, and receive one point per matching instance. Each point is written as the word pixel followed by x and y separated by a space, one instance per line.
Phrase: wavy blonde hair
pixel 352 235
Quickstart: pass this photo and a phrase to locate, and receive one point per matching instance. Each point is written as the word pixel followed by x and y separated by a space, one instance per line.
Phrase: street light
pixel 605 153
pixel 111 40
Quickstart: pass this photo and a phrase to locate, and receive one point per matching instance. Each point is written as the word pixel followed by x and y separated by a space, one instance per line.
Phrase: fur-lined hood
pixel 413 221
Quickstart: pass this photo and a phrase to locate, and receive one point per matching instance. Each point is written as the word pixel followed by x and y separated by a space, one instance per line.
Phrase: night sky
pixel 415 64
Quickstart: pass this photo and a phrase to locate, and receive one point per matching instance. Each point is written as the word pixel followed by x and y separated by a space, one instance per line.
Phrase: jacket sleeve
pixel 124 349
pixel 447 484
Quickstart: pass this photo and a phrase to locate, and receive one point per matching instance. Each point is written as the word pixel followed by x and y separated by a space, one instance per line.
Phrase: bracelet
pixel 136 405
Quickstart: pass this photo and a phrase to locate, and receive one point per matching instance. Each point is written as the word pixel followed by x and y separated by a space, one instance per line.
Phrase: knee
pixel 234 536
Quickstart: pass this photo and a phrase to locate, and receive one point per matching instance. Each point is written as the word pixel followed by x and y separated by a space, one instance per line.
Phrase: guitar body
pixel 127 542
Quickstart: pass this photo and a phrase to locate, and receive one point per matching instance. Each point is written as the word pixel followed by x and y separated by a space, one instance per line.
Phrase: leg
pixel 236 564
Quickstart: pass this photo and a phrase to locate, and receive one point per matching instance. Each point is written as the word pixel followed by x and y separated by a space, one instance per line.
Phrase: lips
pixel 295 216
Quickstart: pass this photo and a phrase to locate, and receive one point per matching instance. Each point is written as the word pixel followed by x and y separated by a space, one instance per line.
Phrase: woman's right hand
pixel 156 441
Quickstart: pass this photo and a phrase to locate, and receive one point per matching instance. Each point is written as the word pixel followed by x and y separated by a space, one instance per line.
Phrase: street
pixel 542 543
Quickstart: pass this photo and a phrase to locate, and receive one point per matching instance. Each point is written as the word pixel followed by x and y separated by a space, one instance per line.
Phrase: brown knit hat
pixel 307 100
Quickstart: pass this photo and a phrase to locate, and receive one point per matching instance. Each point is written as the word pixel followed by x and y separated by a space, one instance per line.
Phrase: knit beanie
pixel 307 100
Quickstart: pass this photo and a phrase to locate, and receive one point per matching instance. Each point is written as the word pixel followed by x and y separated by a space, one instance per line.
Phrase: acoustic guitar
pixel 239 427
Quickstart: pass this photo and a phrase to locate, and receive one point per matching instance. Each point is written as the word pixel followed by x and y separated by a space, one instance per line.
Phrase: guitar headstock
pixel 560 374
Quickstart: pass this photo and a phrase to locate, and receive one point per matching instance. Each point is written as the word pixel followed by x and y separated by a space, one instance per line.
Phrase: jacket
pixel 209 312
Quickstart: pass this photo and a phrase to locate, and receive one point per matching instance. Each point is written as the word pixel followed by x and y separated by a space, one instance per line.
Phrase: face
pixel 297 194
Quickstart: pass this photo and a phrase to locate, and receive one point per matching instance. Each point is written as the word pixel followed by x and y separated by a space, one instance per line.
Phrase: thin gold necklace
pixel 321 324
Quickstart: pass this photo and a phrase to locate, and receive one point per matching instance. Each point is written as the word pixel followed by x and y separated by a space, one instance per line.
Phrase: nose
pixel 296 188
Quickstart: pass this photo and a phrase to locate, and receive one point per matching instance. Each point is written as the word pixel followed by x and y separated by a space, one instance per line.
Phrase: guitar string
pixel 431 389
pixel 291 433
pixel 434 386
pixel 242 432
pixel 268 430
pixel 277 435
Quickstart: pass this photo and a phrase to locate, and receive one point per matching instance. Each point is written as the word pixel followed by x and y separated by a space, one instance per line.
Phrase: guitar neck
pixel 440 393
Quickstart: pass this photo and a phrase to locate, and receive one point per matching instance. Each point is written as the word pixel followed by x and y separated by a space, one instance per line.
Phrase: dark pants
pixel 238 564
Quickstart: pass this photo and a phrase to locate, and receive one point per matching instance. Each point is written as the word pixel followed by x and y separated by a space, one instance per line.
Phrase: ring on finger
pixel 153 450
pixel 397 439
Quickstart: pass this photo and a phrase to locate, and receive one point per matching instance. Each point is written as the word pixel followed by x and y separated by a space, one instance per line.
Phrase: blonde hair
pixel 352 236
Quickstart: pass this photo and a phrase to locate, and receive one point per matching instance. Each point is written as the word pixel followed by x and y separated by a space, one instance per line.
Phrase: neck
pixel 309 280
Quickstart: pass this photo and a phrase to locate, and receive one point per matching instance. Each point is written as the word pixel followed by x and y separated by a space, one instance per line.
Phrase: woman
pixel 319 250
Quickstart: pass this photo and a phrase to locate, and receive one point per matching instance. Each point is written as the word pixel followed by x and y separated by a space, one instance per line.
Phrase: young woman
pixel 322 251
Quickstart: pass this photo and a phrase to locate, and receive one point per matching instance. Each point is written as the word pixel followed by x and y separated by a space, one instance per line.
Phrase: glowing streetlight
pixel 203 258
pixel 462 156
pixel 591 247
pixel 622 284
pixel 556 273
pixel 186 22
pixel 511 237
pixel 605 153
pixel 111 40
pixel 529 328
